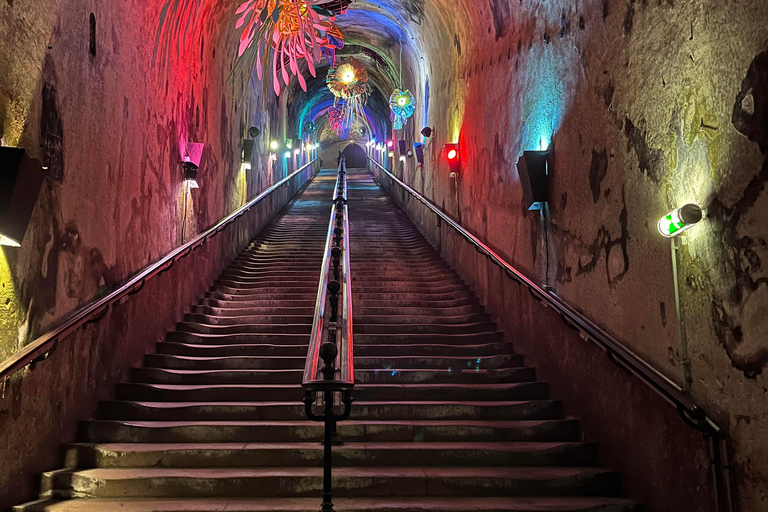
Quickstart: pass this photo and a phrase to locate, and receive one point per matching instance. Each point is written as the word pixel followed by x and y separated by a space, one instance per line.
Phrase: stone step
pixel 239 349
pixel 294 410
pixel 455 363
pixel 100 431
pixel 414 329
pixel 223 310
pixel 429 338
pixel 274 338
pixel 107 455
pixel 275 321
pixel 363 376
pixel 363 392
pixel 223 363
pixel 347 482
pixel 384 504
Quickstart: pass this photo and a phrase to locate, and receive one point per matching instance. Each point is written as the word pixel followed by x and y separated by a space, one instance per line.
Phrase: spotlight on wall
pixel 390 143
pixel 253 132
pixel 274 146
pixel 20 182
pixel 533 168
pixel 288 144
pixel 418 148
pixel 427 131
pixel 287 154
pixel 680 220
pixel 190 165
pixel 402 158
pixel 296 151
pixel 391 154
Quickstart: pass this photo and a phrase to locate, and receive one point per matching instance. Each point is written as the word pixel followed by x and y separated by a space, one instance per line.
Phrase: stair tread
pixel 390 503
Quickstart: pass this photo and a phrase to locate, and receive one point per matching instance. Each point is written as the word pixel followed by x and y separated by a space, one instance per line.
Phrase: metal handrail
pixel 42 347
pixel 691 413
pixel 312 380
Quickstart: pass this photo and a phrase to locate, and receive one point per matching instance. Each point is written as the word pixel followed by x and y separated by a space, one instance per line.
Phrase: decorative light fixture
pixel 274 145
pixel 289 144
pixel 287 154
pixel 403 105
pixel 453 157
pixel 390 143
pixel 20 183
pixel 391 154
pixel 190 165
pixel 279 33
pixel 427 131
pixel 680 220
pixel 253 132
pixel 418 148
pixel 349 82
pixel 533 168
pixel 402 158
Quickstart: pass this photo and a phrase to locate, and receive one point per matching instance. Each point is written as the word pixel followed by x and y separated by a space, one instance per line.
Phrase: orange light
pixel 452 154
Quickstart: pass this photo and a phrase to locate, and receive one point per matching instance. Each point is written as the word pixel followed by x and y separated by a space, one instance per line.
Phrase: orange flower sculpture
pixel 282 32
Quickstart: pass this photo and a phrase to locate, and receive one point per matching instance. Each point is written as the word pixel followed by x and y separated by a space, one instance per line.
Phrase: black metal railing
pixel 328 389
pixel 43 346
pixel 692 414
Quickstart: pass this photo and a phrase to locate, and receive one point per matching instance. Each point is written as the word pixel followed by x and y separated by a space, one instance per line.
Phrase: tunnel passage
pixel 639 114
pixel 355 157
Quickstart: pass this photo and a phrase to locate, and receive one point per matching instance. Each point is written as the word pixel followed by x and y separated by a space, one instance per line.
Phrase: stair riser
pixel 111 432
pixel 606 484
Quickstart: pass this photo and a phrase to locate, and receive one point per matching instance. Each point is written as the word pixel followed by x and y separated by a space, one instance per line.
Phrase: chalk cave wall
pixel 648 105
pixel 106 95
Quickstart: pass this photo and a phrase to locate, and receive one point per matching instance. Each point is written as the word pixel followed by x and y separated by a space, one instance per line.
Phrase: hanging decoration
pixel 337 119
pixel 282 32
pixel 349 82
pixel 403 105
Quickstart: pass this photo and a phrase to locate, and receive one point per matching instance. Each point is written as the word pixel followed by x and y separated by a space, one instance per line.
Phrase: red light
pixel 452 154
pixel 390 143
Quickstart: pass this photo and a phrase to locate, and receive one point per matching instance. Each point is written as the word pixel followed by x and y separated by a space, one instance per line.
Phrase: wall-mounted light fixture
pixel 402 158
pixel 680 220
pixel 454 159
pixel 190 165
pixel 533 168
pixel 391 154
pixel 20 182
pixel 427 131
pixel 288 144
pixel 287 154
pixel 253 132
pixel 274 145
pixel 401 146
pixel 418 148
pixel 390 143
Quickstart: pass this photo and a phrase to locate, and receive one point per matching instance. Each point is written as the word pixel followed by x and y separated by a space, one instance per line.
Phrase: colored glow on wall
pixel 274 145
pixel 545 100
pixel 9 310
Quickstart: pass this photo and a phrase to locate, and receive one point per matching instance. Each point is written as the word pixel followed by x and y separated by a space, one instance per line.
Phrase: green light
pixel 289 144
pixel 680 220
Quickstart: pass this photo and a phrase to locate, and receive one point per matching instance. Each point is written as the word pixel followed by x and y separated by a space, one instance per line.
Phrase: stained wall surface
pixel 646 106
pixel 107 95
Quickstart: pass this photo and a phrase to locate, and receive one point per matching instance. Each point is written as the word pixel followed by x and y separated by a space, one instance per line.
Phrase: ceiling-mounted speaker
pixel 401 146
pixel 533 168
pixel 21 177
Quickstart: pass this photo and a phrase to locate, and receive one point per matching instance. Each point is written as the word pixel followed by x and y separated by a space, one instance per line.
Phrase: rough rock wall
pixel 107 94
pixel 648 105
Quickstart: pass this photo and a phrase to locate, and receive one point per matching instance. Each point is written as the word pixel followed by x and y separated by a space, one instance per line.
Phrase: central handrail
pixel 42 347
pixel 691 413
pixel 335 261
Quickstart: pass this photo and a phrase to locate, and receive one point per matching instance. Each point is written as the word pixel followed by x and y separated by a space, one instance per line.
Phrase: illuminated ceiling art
pixel 403 105
pixel 282 32
pixel 349 81
pixel 337 119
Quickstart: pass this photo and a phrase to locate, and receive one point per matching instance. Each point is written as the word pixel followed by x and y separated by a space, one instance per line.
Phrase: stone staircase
pixel 446 417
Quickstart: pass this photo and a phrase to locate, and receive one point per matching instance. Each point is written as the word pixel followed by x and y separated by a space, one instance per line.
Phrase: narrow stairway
pixel 446 417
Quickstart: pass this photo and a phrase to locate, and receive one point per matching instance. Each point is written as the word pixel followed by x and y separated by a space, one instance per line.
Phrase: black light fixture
pixel 253 132
pixel 401 146
pixel 21 177
pixel 427 131
pixel 191 163
pixel 247 150
pixel 418 149
pixel 533 168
